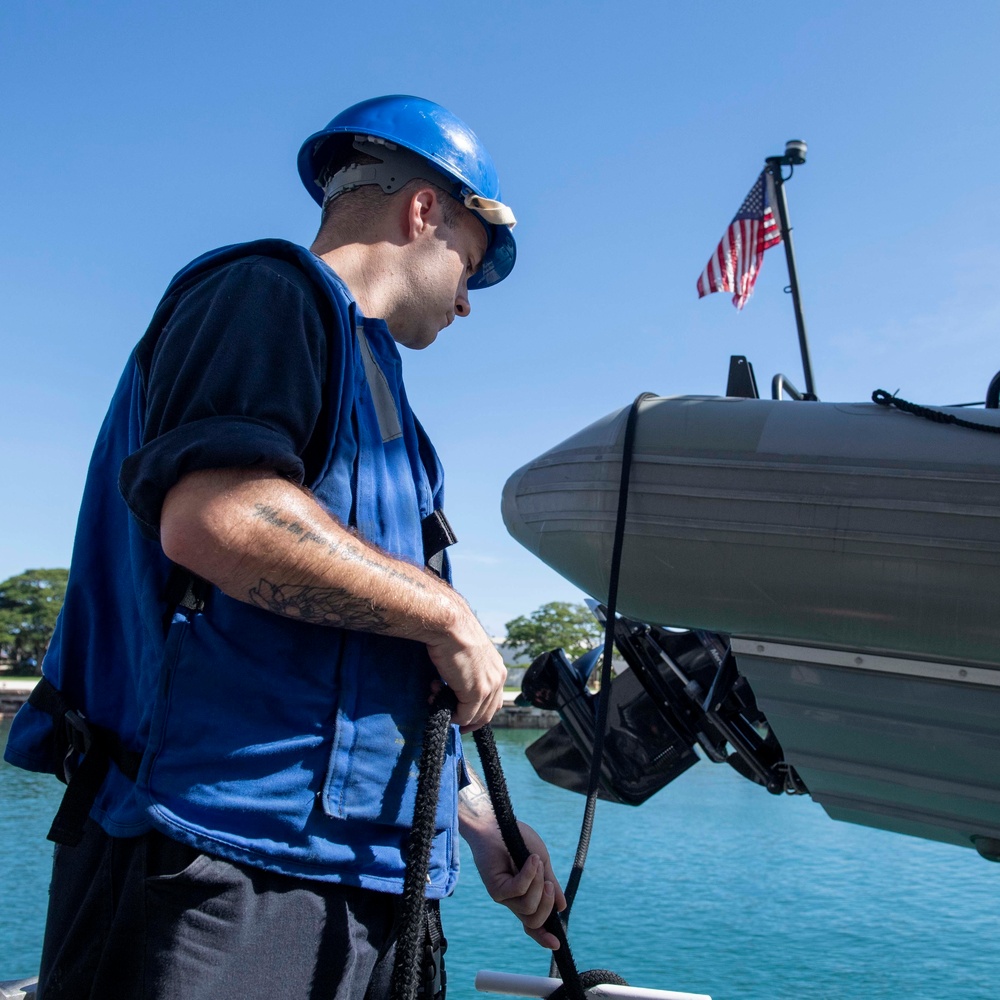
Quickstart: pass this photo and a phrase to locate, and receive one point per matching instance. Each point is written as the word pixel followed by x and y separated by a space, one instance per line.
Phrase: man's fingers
pixel 513 888
pixel 544 938
pixel 474 719
pixel 534 925
pixel 479 714
pixel 527 903
pixel 470 713
pixel 558 897
pixel 467 660
pixel 528 894
pixel 538 905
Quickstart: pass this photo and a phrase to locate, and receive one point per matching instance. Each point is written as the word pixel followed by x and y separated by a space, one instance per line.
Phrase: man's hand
pixel 468 661
pixel 532 892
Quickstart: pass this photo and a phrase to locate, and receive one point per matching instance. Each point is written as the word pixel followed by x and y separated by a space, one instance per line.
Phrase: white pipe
pixel 542 986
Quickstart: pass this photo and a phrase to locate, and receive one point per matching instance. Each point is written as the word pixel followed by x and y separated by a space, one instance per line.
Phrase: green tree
pixel 558 623
pixel 29 606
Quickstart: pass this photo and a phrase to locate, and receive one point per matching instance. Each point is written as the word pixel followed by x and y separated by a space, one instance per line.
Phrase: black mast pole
pixel 795 155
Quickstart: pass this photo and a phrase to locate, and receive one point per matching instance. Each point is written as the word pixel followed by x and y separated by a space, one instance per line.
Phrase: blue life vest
pixel 273 742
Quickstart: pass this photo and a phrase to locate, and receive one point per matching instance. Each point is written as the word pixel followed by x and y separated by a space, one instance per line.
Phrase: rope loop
pixel 883 398
pixel 589 979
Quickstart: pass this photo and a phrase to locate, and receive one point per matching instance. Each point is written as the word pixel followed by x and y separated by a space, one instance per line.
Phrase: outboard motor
pixel 676 690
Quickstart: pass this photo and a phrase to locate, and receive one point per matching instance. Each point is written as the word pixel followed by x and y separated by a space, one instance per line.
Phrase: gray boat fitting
pixel 852 554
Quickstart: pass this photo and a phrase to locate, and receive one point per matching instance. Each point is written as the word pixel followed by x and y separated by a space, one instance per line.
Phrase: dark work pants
pixel 147 918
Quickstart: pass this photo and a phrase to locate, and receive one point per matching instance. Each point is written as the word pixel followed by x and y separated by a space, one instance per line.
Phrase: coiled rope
pixel 883 398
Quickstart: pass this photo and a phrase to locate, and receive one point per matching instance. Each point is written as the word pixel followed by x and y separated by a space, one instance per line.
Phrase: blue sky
pixel 136 136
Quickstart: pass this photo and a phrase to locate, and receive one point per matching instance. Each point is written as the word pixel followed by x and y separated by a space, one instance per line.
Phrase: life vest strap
pixel 83 752
pixel 437 536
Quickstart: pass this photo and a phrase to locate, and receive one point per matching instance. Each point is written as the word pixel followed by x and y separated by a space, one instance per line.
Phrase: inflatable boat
pixel 845 558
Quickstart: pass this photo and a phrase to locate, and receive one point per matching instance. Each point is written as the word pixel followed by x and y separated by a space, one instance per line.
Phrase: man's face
pixel 442 260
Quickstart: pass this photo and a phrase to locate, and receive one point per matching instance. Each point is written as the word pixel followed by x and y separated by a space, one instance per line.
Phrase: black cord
pixel 601 724
pixel 883 398
pixel 562 957
pixel 405 969
pixel 409 941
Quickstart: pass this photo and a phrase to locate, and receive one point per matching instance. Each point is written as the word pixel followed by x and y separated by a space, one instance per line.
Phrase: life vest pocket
pixel 374 760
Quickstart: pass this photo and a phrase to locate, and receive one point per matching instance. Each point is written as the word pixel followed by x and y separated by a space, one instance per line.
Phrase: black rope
pixel 405 973
pixel 883 398
pixel 601 724
pixel 518 850
pixel 593 977
pixel 405 970
pixel 409 941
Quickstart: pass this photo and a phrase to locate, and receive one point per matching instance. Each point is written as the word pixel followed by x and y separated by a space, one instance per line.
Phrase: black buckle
pixel 437 534
pixel 78 741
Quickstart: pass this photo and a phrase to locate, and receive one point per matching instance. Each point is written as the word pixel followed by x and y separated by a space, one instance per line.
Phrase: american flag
pixel 737 259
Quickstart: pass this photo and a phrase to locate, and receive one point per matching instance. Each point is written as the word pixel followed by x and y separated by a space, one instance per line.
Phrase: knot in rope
pixel 883 398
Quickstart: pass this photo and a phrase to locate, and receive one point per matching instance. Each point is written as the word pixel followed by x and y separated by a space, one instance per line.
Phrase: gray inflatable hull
pixel 852 553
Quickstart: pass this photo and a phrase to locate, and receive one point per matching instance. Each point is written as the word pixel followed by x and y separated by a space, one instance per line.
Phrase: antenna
pixel 795 155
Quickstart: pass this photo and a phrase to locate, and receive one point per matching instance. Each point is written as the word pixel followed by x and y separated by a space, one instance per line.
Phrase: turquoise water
pixel 713 886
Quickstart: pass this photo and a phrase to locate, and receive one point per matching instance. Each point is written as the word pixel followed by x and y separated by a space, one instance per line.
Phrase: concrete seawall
pixel 513 716
pixel 13 694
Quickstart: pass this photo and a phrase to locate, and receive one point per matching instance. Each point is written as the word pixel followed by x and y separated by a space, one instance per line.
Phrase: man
pixel 259 609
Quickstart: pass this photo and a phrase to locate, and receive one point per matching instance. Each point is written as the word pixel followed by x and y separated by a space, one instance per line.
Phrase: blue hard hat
pixel 437 136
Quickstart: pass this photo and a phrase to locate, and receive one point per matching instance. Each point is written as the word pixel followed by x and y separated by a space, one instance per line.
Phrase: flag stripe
pixel 736 261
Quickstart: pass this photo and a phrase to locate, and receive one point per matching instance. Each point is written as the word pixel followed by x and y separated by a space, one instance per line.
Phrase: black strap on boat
pixel 883 398
pixel 604 698
pixel 86 751
pixel 437 536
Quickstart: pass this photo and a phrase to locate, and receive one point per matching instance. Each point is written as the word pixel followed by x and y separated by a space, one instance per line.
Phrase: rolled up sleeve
pixel 235 380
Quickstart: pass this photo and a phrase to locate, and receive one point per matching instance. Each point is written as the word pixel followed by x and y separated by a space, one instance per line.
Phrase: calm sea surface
pixel 713 886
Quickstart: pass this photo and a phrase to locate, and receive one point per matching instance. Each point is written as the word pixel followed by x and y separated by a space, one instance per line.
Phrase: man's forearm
pixel 262 540
pixel 340 605
pixel 530 890
pixel 475 808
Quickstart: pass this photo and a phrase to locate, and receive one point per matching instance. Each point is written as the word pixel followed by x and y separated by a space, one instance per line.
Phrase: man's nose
pixel 462 307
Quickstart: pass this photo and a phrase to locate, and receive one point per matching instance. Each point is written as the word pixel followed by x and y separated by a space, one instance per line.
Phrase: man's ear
pixel 422 210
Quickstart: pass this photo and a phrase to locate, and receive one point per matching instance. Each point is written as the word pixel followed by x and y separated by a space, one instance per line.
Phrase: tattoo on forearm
pixel 272 517
pixel 343 550
pixel 318 605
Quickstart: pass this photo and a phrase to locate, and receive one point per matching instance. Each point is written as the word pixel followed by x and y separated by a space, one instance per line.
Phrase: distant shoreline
pixel 14 693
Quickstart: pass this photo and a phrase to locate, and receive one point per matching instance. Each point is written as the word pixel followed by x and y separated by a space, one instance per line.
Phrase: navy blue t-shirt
pixel 235 380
